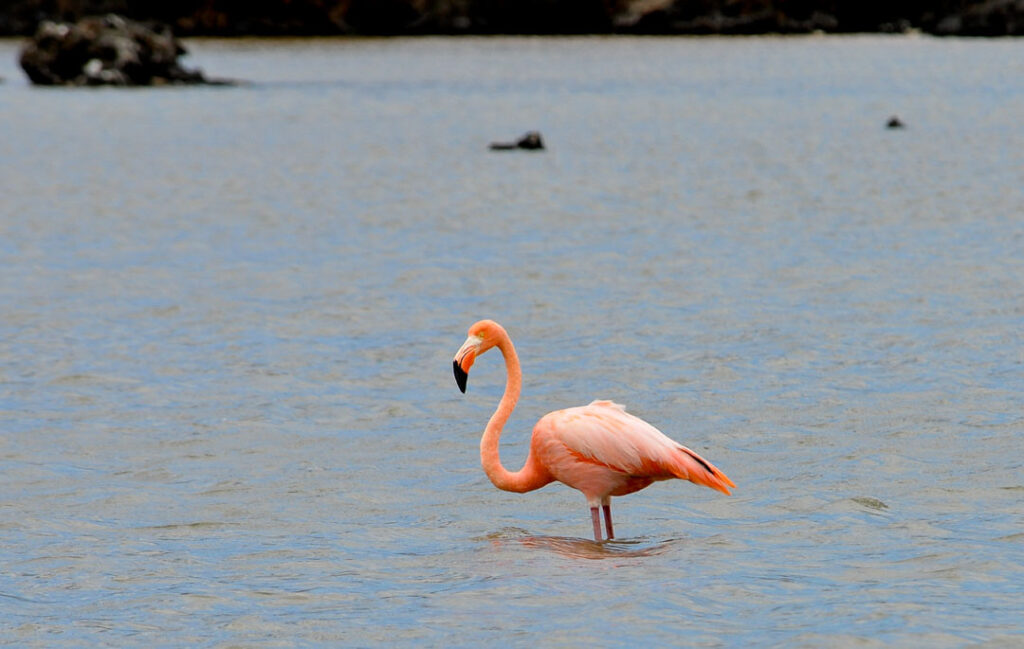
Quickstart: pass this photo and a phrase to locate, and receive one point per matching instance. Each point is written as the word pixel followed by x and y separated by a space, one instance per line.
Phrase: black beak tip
pixel 460 376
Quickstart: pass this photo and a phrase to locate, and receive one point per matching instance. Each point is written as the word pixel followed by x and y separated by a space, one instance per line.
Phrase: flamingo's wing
pixel 604 433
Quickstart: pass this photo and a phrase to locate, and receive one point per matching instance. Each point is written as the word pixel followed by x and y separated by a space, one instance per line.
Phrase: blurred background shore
pixel 477 17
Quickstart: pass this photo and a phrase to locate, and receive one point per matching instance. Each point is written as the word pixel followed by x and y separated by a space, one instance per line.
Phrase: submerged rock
pixel 531 141
pixel 106 50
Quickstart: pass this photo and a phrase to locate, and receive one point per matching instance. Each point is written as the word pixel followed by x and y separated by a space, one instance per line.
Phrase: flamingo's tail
pixel 696 469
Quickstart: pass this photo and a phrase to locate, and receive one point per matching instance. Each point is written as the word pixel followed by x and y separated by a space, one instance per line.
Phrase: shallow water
pixel 226 402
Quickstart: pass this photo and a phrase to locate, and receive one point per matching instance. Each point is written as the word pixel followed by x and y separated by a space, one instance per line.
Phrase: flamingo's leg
pixel 608 520
pixel 597 523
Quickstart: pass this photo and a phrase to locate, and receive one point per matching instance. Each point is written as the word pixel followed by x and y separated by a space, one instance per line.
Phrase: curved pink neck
pixel 533 475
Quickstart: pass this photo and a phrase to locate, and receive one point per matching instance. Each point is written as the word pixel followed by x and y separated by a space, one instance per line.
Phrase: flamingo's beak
pixel 464 360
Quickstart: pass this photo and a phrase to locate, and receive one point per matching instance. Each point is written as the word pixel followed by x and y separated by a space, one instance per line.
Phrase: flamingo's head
pixel 482 336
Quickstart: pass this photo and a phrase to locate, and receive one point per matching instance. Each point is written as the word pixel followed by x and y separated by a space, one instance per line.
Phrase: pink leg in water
pixel 597 523
pixel 608 521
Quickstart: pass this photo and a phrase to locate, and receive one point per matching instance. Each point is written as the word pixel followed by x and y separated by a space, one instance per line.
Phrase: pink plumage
pixel 602 450
pixel 599 449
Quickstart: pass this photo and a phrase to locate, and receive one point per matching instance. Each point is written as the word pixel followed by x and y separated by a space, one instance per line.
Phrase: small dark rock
pixel 894 122
pixel 106 50
pixel 531 142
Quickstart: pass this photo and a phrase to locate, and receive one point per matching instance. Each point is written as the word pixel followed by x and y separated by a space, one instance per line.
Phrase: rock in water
pixel 531 141
pixel 106 50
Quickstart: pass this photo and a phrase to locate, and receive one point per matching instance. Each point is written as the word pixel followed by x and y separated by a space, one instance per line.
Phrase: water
pixel 227 410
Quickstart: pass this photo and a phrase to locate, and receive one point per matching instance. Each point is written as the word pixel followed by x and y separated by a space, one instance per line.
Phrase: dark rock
pixel 894 122
pixel 530 141
pixel 108 50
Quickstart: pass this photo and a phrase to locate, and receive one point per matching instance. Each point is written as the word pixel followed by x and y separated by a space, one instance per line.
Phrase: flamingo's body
pixel 599 448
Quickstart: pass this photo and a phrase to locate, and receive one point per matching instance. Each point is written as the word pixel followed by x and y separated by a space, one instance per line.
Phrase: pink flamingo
pixel 599 449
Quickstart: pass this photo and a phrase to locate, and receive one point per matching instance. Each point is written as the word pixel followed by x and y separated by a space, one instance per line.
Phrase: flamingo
pixel 599 449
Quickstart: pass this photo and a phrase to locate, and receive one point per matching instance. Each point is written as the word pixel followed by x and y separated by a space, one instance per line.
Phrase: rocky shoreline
pixel 108 50
pixel 421 17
